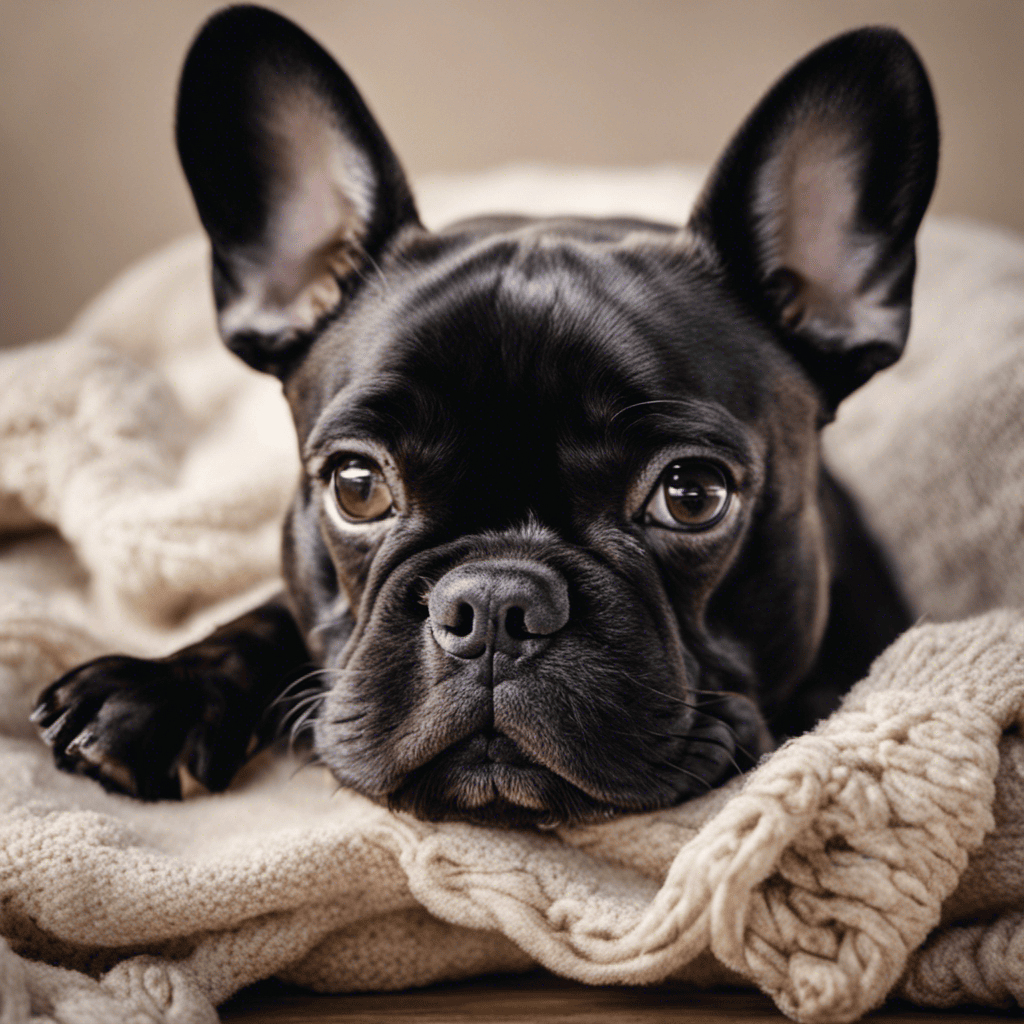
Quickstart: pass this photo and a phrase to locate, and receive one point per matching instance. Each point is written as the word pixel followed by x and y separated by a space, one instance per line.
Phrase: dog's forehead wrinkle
pixel 574 252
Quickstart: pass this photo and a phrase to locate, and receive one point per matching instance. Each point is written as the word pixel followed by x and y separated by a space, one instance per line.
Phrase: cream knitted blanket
pixel 143 473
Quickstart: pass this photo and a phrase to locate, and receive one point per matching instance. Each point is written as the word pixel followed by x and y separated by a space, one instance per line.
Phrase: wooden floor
pixel 539 998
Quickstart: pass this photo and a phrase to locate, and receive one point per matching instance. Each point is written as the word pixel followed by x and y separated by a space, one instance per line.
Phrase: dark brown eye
pixel 360 490
pixel 692 495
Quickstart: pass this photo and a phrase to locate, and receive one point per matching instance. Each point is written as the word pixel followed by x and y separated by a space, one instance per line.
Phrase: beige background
pixel 90 180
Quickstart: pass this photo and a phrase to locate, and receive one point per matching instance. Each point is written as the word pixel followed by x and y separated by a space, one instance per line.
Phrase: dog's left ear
pixel 815 204
pixel 295 183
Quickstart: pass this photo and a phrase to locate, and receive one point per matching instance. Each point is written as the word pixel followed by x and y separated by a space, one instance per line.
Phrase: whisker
pixel 333 673
pixel 308 762
pixel 690 738
pixel 301 706
pixel 679 768
pixel 718 697
pixel 288 690
pixel 698 708
pixel 307 720
pixel 737 746
pixel 710 760
pixel 712 740
pixel 653 401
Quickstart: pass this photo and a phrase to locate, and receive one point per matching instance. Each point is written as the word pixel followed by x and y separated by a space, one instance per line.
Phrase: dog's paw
pixel 131 724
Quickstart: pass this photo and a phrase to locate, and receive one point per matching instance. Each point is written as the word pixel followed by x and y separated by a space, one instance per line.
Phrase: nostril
pixel 463 624
pixel 515 624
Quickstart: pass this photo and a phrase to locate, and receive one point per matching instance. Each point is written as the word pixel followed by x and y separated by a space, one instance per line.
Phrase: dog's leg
pixel 131 723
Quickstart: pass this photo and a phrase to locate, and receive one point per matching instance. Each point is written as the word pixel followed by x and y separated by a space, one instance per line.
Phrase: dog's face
pixel 563 475
pixel 547 506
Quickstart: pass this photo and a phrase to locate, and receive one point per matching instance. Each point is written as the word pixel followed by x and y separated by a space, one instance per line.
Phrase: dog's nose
pixel 500 604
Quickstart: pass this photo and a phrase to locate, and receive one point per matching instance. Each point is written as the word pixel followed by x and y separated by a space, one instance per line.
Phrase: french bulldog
pixel 563 546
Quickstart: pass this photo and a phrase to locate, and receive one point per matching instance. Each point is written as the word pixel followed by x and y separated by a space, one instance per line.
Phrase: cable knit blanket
pixel 143 473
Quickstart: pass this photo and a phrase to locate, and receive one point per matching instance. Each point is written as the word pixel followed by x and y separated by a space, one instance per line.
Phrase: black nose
pixel 500 604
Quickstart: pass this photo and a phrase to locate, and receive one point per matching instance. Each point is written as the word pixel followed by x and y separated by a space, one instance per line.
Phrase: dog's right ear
pixel 295 184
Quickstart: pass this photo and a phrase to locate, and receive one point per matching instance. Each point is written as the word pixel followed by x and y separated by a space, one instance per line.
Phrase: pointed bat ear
pixel 815 204
pixel 295 184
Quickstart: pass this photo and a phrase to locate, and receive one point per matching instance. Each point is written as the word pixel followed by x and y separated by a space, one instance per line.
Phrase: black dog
pixel 563 546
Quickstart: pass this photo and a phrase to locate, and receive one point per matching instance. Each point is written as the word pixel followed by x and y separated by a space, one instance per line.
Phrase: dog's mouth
pixel 488 779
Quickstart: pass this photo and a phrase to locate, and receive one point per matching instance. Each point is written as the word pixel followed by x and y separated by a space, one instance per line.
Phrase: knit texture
pixel 143 475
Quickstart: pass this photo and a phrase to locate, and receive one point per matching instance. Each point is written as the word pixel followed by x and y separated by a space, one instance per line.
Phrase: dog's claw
pixel 85 755
pixel 84 745
pixel 52 732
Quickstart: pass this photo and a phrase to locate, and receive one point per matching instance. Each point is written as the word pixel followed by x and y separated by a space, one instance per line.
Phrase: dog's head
pixel 564 473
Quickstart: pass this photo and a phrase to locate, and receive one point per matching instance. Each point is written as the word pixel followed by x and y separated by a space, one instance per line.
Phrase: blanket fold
pixel 143 475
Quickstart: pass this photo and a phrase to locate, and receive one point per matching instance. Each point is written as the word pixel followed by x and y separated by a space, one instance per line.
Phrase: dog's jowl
pixel 563 545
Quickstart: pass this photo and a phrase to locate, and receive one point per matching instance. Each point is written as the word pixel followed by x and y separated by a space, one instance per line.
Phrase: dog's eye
pixel 691 495
pixel 360 490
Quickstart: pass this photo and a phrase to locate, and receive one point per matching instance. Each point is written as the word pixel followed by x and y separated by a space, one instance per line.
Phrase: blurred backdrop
pixel 89 179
